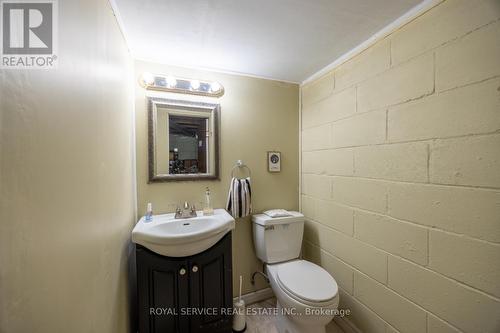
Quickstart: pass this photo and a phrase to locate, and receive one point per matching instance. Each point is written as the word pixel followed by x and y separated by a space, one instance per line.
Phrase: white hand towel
pixel 277 213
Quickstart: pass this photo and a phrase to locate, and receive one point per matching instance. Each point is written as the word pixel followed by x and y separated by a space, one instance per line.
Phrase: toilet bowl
pixel 307 296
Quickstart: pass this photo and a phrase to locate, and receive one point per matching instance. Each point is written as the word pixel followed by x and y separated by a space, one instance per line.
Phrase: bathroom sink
pixel 172 237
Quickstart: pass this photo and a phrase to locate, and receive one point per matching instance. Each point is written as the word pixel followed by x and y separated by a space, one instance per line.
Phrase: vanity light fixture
pixel 180 85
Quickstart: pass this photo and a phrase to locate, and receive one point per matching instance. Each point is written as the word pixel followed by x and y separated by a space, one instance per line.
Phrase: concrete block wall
pixel 401 174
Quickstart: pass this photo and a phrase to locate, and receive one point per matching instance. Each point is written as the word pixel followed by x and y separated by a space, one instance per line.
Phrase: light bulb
pixel 171 81
pixel 195 84
pixel 148 79
pixel 215 87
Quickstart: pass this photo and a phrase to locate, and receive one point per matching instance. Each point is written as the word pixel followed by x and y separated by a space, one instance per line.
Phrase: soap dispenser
pixel 207 210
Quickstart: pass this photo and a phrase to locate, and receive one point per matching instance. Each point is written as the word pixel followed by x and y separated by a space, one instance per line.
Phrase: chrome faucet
pixel 186 212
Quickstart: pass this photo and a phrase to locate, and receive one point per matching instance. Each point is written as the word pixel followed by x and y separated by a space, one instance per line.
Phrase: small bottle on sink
pixel 149 212
pixel 207 210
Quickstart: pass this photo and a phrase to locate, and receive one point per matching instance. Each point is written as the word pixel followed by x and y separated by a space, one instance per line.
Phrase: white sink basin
pixel 172 237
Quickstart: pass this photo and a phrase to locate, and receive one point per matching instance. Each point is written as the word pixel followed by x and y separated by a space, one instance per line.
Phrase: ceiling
pixel 286 40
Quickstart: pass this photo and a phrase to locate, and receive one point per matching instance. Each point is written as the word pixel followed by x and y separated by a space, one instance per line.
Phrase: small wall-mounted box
pixel 274 161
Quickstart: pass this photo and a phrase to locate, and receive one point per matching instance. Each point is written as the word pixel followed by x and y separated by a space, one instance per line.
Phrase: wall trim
pixel 300 149
pixel 256 296
pixel 346 325
pixel 264 294
pixel 381 34
pixel 121 26
pixel 406 18
pixel 217 70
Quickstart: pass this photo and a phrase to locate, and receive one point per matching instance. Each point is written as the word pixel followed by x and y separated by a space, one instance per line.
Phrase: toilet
pixel 307 295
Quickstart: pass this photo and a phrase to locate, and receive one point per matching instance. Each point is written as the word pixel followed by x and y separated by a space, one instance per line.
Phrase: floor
pixel 265 323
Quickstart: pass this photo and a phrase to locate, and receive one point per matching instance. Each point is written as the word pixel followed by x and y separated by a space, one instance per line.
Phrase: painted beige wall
pixel 66 181
pixel 256 116
pixel 400 174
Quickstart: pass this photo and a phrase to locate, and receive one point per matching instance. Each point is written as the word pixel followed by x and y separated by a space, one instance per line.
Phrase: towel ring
pixel 239 165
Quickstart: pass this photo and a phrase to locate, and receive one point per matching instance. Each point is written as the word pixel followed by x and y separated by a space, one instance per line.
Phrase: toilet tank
pixel 278 239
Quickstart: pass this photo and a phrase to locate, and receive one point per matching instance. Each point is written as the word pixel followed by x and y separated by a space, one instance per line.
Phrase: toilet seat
pixel 307 283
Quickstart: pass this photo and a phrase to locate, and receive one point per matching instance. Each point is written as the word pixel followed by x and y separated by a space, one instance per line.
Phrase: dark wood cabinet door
pixel 163 287
pixel 212 287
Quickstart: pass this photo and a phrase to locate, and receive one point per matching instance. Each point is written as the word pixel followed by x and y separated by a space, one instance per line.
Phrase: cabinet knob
pixel 182 271
pixel 195 268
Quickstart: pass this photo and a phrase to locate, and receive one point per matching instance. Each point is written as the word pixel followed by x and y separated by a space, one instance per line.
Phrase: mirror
pixel 183 140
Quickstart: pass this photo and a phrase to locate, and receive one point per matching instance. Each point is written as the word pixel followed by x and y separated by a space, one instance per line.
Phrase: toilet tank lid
pixel 264 220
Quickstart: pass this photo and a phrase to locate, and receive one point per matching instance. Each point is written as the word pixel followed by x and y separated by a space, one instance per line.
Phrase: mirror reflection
pixel 188 144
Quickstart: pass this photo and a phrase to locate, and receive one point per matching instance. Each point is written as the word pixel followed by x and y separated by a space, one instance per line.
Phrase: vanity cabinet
pixel 185 295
